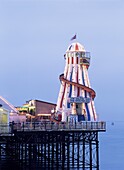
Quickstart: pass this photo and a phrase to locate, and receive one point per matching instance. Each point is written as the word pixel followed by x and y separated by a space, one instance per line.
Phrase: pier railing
pixel 43 126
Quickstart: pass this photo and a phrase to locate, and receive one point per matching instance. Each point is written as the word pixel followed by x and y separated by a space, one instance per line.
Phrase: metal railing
pixel 43 126
pixel 5 128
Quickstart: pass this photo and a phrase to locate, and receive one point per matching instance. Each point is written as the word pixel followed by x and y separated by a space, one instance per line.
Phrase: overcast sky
pixel 34 35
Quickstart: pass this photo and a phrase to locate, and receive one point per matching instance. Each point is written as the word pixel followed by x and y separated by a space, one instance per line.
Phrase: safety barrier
pixel 43 126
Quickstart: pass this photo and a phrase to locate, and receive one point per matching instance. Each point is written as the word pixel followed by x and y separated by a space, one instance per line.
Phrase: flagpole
pixel 75 38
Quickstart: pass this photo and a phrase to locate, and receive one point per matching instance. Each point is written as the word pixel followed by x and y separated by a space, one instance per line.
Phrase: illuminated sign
pixel 79 100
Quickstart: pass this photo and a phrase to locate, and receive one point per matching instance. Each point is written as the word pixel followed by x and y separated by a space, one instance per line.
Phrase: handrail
pixel 43 126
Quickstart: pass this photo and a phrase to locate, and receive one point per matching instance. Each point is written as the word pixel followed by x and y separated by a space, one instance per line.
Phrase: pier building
pixel 37 110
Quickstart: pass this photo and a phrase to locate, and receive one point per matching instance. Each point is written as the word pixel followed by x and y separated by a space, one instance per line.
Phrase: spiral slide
pixel 87 89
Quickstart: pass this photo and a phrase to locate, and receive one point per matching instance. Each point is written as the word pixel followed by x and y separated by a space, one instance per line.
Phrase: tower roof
pixel 76 47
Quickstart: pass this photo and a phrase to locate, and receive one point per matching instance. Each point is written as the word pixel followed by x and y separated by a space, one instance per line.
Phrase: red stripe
pixel 77 60
pixel 72 60
pixel 78 89
pixel 77 75
pixel 68 60
pixel 66 73
pixel 76 47
pixel 78 94
pixel 62 96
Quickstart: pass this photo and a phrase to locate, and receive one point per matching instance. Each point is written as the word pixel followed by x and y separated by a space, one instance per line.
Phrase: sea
pixel 111 146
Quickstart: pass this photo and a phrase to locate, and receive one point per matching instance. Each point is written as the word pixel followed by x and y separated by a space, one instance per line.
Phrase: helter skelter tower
pixel 76 97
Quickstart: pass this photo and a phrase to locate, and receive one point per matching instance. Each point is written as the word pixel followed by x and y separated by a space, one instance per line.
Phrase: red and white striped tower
pixel 76 97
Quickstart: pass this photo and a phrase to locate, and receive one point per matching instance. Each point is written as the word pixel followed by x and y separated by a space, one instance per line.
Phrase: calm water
pixel 112 147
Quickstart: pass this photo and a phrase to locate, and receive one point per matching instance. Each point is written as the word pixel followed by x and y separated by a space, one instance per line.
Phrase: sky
pixel 34 35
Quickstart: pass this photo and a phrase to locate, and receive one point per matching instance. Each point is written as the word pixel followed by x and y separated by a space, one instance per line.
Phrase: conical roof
pixel 75 47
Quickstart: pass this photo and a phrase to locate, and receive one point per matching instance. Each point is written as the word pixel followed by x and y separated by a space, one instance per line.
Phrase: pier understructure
pixel 48 146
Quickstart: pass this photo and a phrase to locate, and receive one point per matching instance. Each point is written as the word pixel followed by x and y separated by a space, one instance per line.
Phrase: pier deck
pixel 51 146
